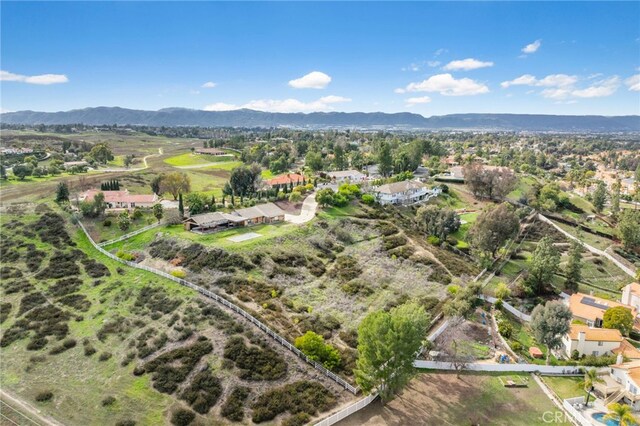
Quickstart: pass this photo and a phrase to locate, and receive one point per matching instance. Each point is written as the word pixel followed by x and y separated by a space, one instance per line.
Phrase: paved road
pixel 308 211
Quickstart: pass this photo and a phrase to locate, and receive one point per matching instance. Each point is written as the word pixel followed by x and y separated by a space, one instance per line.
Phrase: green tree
pixel 542 266
pixel 196 203
pixel 124 221
pixel 313 160
pixel 175 183
pixel 622 413
pixel 502 291
pixel 101 153
pixel 128 160
pixel 295 197
pixel 158 211
pixel 244 180
pixel 549 323
pixel 438 221
pixel 615 199
pixel 21 171
pixel 385 161
pixel 599 197
pixel 62 193
pixel 619 318
pixel 387 346
pixel 493 227
pixel 99 205
pixel 325 197
pixel 339 159
pixel 313 346
pixel 180 205
pixel 156 184
pixel 573 270
pixel 629 228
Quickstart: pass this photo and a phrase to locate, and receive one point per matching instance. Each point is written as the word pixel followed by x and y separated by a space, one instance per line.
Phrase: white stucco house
pixel 404 193
pixel 343 176
pixel 591 341
pixel 621 384
pixel 631 296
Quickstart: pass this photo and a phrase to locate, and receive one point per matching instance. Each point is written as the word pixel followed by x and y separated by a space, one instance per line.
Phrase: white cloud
pixel 532 47
pixel 563 86
pixel 4 111
pixel 209 85
pixel 415 101
pixel 633 83
pixel 313 80
pixel 440 52
pixel 553 80
pixel 466 65
pixel 43 79
pixel 433 64
pixel 399 90
pixel 447 85
pixel 325 103
pixel 220 106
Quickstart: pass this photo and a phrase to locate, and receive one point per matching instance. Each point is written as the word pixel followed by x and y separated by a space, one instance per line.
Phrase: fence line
pixel 130 234
pixel 508 307
pixel 281 340
pixel 592 249
pixel 505 368
pixel 359 405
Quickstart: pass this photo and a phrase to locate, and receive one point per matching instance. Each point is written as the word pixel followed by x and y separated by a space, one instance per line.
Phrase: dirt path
pixel 25 411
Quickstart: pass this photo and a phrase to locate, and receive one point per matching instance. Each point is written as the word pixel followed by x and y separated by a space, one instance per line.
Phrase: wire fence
pixel 129 235
pixel 275 336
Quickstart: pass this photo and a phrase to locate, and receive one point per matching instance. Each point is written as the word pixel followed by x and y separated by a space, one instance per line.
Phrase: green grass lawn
pixel 101 233
pixel 564 387
pixel 267 174
pixel 189 159
pixel 593 240
pixel 219 239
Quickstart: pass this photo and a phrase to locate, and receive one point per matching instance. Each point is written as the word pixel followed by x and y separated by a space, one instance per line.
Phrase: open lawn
pixel 444 399
pixel 564 387
pixel 189 159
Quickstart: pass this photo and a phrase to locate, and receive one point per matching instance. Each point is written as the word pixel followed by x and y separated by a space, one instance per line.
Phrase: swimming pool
pixel 600 418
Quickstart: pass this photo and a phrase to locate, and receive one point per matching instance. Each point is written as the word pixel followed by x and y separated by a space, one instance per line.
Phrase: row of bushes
pixel 296 398
pixel 254 362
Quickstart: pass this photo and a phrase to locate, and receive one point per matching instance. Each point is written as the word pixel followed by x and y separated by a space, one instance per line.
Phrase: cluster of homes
pixel 620 381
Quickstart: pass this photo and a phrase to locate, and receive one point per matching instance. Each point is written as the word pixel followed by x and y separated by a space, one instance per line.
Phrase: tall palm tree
pixel 588 381
pixel 621 413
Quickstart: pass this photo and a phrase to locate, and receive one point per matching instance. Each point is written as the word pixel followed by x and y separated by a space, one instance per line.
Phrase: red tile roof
pixel 288 178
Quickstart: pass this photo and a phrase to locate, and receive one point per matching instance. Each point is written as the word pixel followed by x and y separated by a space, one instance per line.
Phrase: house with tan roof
pixel 216 221
pixel 590 309
pixel 622 383
pixel 122 200
pixel 342 176
pixel 591 341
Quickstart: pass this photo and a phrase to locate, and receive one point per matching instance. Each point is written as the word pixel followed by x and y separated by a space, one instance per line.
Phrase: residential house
pixel 212 222
pixel 591 309
pixel 210 151
pixel 69 164
pixel 350 176
pixel 286 179
pixel 591 341
pixel 631 295
pixel 216 221
pixel 122 200
pixel 621 383
pixel 404 193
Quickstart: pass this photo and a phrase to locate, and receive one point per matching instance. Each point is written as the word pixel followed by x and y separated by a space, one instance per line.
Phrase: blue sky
pixel 428 58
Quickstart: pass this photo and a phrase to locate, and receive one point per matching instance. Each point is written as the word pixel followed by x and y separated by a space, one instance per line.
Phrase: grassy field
pixel 472 399
pixel 564 387
pixel 189 159
pixel 100 233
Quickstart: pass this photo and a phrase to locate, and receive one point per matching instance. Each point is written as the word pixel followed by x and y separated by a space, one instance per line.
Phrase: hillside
pixel 251 118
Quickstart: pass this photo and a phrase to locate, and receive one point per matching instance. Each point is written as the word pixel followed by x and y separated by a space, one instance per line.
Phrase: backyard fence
pixel 507 307
pixel 335 418
pixel 281 340
pixel 129 235
pixel 504 368
pixel 568 405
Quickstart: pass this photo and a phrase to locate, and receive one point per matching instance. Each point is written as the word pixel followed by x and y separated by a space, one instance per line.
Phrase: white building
pixel 591 341
pixel 342 176
pixel 622 383
pixel 631 295
pixel 404 193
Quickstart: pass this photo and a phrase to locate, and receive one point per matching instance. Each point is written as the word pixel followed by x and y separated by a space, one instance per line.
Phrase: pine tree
pixel 573 270
pixel 62 194
pixel 180 205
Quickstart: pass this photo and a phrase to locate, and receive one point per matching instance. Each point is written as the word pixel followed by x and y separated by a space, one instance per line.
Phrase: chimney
pixel 619 358
pixel 581 337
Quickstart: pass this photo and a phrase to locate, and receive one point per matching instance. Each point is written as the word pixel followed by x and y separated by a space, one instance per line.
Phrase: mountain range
pixel 370 120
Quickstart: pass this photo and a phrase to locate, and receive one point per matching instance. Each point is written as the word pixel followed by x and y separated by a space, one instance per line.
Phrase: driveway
pixel 308 211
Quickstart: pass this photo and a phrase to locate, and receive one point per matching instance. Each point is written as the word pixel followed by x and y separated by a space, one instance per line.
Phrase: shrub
pixel 313 346
pixel 433 240
pixel 110 400
pixel 298 397
pixel 505 329
pixel 95 269
pixel 516 346
pixel 346 268
pixel 44 396
pixel 368 199
pixel 182 417
pixel 106 223
pixel 298 419
pixel 178 273
pixel 255 363
pixel 126 422
pixel 104 356
pixel 125 256
pixel 233 408
pixel 357 286
pixel 203 392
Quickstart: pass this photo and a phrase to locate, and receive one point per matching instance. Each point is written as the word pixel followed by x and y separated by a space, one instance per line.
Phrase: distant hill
pixel 251 118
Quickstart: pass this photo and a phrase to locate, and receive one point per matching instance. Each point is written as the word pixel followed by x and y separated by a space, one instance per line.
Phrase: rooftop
pixel 595 334
pixel 590 307
pixel 397 187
